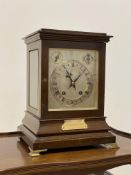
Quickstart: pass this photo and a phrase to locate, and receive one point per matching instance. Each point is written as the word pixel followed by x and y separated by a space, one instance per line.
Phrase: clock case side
pixel 35 110
pixel 44 129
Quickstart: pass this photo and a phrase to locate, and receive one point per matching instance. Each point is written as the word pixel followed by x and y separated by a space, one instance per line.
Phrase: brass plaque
pixel 74 124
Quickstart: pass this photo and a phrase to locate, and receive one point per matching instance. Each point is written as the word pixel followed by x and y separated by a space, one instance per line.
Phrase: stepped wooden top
pixel 66 35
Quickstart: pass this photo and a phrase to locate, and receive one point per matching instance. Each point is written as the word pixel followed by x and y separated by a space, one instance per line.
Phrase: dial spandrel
pixel 73 79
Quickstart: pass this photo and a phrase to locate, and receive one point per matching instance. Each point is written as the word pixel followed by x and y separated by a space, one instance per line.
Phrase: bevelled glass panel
pixel 33 79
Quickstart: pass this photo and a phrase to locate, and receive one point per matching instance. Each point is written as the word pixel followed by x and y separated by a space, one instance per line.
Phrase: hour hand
pixel 68 74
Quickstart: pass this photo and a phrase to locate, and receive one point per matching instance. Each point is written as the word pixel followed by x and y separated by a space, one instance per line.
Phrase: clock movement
pixel 65 90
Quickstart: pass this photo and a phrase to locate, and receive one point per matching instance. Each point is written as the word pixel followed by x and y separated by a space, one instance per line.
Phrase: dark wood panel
pixel 54 127
pixel 65 140
pixel 64 35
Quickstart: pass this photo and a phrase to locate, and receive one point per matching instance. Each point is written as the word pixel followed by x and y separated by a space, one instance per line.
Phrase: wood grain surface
pixel 15 160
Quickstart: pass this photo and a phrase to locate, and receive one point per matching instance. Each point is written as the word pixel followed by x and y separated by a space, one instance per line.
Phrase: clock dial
pixel 73 82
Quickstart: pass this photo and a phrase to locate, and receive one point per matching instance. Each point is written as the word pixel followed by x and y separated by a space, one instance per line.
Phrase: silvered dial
pixel 71 83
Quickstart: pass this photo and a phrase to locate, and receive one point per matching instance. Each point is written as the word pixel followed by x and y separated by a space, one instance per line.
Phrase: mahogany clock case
pixel 43 128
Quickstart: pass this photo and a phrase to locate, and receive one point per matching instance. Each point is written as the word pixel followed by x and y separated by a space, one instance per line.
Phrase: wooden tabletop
pixel 15 158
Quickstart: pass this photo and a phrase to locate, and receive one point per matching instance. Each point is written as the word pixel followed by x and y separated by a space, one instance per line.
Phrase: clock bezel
pixel 45 114
pixel 66 102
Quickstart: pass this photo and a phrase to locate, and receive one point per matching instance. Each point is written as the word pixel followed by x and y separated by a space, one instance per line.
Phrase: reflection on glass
pixel 33 78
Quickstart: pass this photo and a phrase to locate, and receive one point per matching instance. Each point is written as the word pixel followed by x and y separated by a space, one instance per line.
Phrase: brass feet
pixel 110 145
pixel 34 153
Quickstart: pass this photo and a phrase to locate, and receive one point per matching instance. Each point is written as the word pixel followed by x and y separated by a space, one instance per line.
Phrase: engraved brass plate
pixel 74 124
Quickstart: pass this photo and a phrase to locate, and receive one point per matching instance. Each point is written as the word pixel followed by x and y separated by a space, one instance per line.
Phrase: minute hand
pixel 78 76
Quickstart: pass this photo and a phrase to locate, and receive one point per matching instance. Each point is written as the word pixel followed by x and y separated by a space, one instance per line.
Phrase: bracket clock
pixel 65 90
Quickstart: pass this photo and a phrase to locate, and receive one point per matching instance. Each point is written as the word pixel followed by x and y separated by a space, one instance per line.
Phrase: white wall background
pixel 21 17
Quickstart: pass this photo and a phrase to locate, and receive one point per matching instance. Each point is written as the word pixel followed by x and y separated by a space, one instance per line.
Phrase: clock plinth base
pixel 49 134
pixel 65 140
